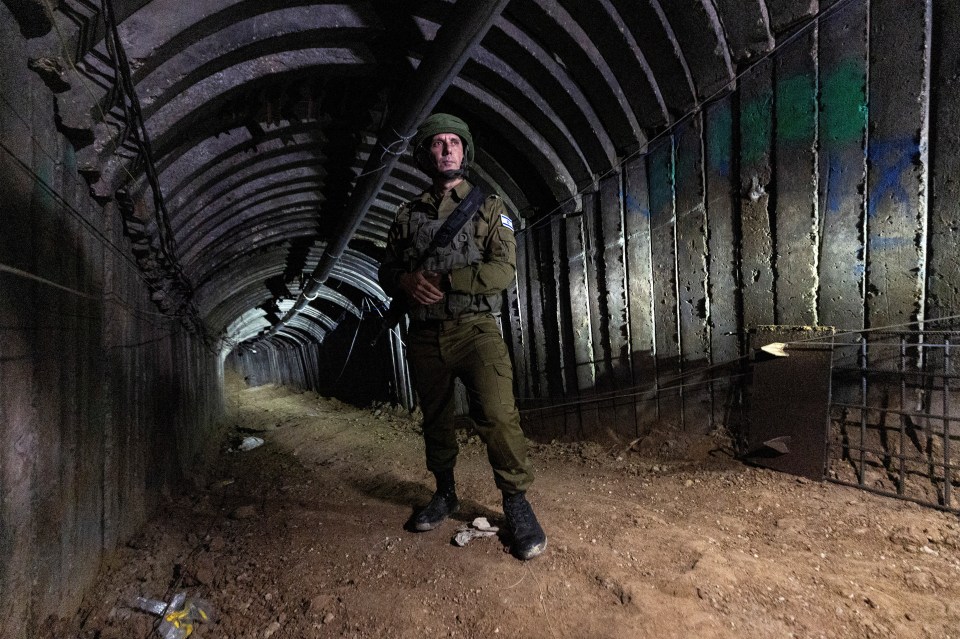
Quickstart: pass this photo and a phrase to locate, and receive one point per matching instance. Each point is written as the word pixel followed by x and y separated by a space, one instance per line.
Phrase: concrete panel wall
pixel 822 191
pixel 943 232
pixel 104 404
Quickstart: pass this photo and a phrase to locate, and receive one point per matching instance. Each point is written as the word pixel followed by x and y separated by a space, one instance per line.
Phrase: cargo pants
pixel 472 349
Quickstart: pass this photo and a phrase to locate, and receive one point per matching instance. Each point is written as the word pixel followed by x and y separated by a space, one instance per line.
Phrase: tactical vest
pixel 463 250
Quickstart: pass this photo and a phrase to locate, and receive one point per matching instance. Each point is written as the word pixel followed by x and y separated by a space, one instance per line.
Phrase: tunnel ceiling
pixel 260 116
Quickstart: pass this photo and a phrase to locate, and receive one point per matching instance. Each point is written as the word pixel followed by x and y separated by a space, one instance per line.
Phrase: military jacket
pixel 481 258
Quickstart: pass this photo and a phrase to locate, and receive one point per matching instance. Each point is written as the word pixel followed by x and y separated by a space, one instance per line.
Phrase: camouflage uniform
pixel 459 336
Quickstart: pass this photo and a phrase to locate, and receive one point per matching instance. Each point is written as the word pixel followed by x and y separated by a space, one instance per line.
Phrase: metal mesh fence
pixel 894 415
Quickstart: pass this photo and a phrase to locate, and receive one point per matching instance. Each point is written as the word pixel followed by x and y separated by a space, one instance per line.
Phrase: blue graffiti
pixel 834 190
pixel 892 158
pixel 633 205
pixel 880 242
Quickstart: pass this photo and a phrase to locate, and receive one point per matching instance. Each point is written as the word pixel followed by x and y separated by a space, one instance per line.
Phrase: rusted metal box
pixel 788 400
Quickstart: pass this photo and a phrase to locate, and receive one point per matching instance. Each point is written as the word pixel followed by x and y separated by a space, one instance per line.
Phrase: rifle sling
pixel 445 234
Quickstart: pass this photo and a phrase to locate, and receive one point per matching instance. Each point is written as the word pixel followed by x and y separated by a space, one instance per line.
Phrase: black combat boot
pixel 529 540
pixel 443 504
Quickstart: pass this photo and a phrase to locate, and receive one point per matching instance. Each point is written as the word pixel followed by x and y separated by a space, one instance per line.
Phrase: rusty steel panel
pixel 548 77
pixel 756 173
pixel 943 294
pixel 788 402
pixel 842 54
pixel 897 168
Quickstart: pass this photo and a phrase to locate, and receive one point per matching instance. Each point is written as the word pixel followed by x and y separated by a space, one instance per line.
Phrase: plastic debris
pixel 249 443
pixel 777 349
pixel 178 617
pixel 479 528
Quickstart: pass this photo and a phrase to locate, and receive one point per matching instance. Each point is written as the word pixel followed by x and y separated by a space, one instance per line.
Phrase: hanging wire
pixel 134 116
pixel 390 149
pixel 548 217
pixel 130 102
pixel 84 81
pixel 657 388
pixel 363 311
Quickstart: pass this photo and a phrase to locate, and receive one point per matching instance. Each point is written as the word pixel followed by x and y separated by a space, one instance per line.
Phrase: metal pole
pixel 464 28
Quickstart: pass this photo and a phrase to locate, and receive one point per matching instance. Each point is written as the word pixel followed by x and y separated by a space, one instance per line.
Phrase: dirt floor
pixel 304 537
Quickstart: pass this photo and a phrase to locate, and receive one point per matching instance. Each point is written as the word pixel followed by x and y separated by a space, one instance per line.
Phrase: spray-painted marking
pixel 755 128
pixel 879 242
pixel 796 109
pixel 893 159
pixel 719 125
pixel 633 206
pixel 844 100
pixel 661 179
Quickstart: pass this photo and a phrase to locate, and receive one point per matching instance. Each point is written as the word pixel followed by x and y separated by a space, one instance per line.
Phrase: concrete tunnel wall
pixel 104 403
pixel 822 191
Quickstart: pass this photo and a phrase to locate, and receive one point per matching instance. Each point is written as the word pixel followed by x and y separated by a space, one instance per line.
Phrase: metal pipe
pixel 464 28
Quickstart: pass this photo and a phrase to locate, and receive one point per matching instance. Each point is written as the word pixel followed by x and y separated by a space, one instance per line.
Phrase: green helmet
pixel 444 123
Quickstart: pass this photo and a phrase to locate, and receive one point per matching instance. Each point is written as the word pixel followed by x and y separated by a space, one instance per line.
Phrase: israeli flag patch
pixel 506 221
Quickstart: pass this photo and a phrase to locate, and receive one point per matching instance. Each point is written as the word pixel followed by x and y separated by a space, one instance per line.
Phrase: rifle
pixel 399 306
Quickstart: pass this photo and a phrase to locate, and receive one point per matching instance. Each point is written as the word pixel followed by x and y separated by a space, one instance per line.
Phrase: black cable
pixel 133 113
pixel 363 311
pixel 134 116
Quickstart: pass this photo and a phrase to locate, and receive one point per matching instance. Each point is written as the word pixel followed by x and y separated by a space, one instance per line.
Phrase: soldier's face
pixel 446 149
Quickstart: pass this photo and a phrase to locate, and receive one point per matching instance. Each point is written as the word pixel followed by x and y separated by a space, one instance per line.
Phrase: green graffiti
pixel 844 100
pixel 45 172
pixel 687 156
pixel 796 109
pixel 660 175
pixel 719 125
pixel 755 129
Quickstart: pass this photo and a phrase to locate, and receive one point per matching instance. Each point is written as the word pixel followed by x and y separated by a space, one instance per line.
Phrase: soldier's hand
pixel 423 287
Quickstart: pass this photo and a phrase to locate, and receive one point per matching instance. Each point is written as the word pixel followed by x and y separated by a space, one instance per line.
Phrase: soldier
pixel 454 297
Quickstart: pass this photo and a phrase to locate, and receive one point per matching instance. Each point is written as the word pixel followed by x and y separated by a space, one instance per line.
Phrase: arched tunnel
pixel 197 189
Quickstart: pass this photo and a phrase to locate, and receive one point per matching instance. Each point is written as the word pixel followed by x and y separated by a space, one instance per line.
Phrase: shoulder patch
pixel 506 221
